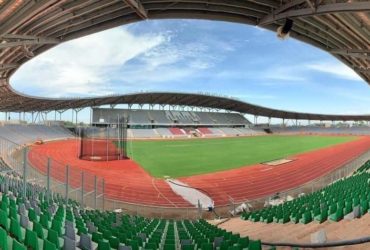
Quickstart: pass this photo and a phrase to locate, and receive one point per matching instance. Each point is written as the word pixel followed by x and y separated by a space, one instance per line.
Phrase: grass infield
pixel 177 158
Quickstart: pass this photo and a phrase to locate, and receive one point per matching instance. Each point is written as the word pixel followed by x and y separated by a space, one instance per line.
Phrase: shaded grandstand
pixel 36 211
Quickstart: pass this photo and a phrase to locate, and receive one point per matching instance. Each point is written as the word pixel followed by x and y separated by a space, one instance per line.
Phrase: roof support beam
pixel 320 10
pixel 313 4
pixel 281 9
pixel 137 7
pixel 353 51
pixel 288 6
pixel 8 43
pixel 362 70
pixel 357 54
pixel 8 66
pixel 18 37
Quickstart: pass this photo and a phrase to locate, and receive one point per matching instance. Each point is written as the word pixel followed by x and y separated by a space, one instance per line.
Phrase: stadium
pixel 175 169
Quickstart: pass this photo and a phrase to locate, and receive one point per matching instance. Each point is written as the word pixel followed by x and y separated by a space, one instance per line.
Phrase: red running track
pixel 105 150
pixel 127 181
pixel 261 180
pixel 124 179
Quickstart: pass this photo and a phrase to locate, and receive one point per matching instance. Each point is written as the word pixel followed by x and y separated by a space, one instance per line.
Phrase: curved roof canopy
pixel 177 99
pixel 29 27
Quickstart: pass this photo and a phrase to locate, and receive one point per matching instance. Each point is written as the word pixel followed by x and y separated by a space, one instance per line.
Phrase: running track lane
pixel 124 180
pixel 261 180
pixel 127 181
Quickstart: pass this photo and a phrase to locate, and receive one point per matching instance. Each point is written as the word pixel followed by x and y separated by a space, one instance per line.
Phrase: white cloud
pixel 283 73
pixel 336 69
pixel 114 61
pixel 84 66
pixel 288 73
pixel 268 75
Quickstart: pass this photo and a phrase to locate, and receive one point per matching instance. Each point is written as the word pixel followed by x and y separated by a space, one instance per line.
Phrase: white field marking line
pixel 266 169
pixel 160 193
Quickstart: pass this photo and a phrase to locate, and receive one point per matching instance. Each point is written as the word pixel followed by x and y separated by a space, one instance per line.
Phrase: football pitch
pixel 178 158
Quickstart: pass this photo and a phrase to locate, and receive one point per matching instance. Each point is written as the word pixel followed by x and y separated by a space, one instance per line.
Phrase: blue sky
pixel 198 56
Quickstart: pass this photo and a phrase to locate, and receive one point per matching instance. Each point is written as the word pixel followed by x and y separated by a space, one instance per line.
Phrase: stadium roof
pixel 28 28
pixel 177 99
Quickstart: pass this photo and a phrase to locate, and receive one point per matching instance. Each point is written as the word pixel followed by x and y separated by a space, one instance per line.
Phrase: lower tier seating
pixel 49 222
pixel 330 203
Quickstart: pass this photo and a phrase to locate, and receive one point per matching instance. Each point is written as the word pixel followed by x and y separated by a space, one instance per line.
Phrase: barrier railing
pixel 342 171
pixel 89 189
pixel 72 183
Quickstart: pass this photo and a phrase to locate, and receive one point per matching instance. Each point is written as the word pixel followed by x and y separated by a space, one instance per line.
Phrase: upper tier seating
pixel 182 117
pixel 205 118
pixel 139 117
pixel 354 130
pixel 23 134
pixel 12 136
pixel 167 117
pixel 227 118
pixel 157 116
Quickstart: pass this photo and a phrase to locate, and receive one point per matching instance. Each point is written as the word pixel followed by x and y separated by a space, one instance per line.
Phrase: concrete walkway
pixel 190 194
pixel 300 233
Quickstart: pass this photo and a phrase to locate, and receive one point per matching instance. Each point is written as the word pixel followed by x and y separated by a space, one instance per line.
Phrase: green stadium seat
pixel 323 216
pixel 151 246
pixel 49 245
pixel 32 215
pixel 15 230
pixel 38 229
pixel 4 240
pixel 169 247
pixel 31 240
pixel 243 242
pixel 44 221
pixel 112 228
pixel 107 234
pixel 56 225
pixel 18 246
pixel 103 245
pixel 96 237
pixel 255 245
pixel 53 237
pixel 207 246
pixel 307 218
pixel 235 247
pixel 188 247
pixel 4 221
pixel 337 216
pixel 113 242
pixel 134 244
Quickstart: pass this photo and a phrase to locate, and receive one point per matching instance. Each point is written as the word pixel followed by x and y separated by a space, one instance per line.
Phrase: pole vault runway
pixel 127 181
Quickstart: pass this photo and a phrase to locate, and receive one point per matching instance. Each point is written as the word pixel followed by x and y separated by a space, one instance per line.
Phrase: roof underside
pixel 29 27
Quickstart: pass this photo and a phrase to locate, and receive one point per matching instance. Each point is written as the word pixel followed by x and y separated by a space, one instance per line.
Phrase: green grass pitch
pixel 177 158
